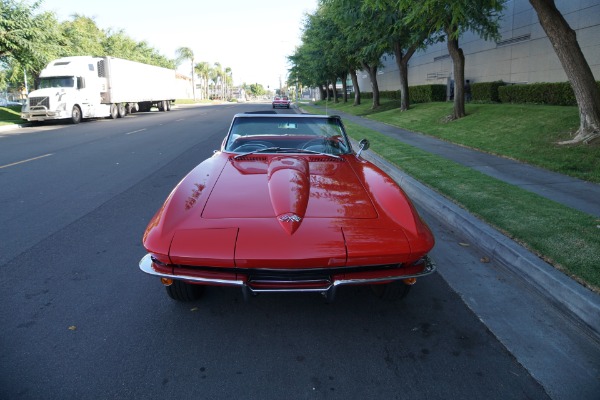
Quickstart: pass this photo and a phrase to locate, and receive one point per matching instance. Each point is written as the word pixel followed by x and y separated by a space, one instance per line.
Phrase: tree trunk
pixel 334 90
pixel 587 94
pixel 344 88
pixel 193 80
pixel 373 78
pixel 402 63
pixel 356 88
pixel 324 95
pixel 458 60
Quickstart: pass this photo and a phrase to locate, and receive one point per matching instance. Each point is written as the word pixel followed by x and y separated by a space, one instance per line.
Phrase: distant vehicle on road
pixel 96 87
pixel 281 102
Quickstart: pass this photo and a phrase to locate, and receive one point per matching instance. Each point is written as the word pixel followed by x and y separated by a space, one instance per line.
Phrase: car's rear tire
pixel 183 291
pixel 396 290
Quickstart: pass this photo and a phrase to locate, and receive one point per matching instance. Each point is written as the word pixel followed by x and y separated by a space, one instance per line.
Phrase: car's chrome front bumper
pixel 325 286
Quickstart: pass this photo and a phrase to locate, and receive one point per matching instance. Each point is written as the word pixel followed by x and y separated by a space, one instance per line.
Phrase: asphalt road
pixel 79 320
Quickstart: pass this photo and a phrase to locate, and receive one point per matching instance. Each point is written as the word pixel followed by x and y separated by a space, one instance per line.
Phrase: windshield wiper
pixel 285 150
pixel 313 152
pixel 265 150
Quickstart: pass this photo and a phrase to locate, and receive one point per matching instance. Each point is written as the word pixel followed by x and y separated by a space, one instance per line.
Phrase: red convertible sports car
pixel 286 205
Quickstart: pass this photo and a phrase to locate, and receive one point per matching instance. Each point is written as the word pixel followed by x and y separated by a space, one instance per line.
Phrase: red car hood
pixel 306 187
pixel 287 212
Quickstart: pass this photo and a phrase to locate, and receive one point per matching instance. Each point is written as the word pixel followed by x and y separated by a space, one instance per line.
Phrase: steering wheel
pixel 252 146
pixel 316 144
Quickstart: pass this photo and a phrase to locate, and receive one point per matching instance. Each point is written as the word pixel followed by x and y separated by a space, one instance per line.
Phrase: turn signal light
pixel 410 281
pixel 166 281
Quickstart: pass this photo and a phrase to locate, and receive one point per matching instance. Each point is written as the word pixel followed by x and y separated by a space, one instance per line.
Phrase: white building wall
pixel 522 55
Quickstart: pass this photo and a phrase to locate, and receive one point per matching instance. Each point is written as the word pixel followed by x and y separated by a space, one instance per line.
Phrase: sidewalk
pixel 555 286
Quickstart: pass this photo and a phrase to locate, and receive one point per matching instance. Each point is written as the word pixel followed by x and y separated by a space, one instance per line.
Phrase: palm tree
pixel 185 53
pixel 203 71
pixel 229 80
pixel 217 73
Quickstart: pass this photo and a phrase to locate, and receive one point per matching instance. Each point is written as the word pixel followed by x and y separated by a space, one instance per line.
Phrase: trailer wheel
pixel 114 112
pixel 132 107
pixel 76 115
pixel 168 105
pixel 162 105
pixel 121 110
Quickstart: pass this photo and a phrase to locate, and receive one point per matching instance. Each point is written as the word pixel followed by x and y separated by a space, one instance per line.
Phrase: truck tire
pixel 122 110
pixel 132 108
pixel 162 105
pixel 76 114
pixel 114 111
pixel 168 105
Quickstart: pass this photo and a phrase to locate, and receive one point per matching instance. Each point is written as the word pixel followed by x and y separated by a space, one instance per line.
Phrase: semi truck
pixel 80 87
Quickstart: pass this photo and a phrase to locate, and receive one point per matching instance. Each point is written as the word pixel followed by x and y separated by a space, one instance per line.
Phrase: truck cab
pixel 69 88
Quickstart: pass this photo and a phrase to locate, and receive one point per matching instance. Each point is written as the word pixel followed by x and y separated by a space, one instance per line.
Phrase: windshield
pixel 286 134
pixel 57 82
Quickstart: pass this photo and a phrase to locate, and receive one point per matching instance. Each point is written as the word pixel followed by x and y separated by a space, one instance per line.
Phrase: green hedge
pixel 390 94
pixel 416 94
pixel 486 91
pixel 558 94
pixel 426 93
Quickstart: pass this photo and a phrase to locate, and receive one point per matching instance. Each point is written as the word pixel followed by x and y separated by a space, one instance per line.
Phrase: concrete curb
pixel 558 288
pixel 5 128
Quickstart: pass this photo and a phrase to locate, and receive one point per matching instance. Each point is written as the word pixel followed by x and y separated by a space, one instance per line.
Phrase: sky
pixel 252 37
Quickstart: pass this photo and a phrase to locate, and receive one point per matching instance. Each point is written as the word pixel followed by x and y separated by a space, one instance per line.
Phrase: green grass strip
pixel 10 115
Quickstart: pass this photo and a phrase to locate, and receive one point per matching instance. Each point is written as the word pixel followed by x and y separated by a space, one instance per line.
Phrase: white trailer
pixel 97 87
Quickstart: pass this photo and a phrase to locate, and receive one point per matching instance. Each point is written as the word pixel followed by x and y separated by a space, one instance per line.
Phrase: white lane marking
pixel 24 161
pixel 139 130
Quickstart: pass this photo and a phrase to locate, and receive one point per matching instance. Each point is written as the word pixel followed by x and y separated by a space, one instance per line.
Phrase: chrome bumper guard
pixel 146 265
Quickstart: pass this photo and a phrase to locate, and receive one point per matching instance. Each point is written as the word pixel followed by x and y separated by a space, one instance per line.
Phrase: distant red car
pixel 281 102
pixel 286 205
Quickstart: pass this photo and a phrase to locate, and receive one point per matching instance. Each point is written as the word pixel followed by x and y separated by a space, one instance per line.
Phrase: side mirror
pixel 363 145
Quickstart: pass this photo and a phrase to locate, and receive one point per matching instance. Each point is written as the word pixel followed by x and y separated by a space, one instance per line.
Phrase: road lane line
pixel 24 161
pixel 139 130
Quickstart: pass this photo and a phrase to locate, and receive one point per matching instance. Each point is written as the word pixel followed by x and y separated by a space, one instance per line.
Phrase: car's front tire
pixel 183 291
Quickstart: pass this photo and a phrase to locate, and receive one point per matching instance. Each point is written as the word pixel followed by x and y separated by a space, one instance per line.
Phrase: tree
pixel 257 89
pixel 203 71
pixel 361 27
pixel 587 94
pixel 403 40
pixel 453 18
pixel 228 81
pixel 82 37
pixel 28 40
pixel 183 54
pixel 216 76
